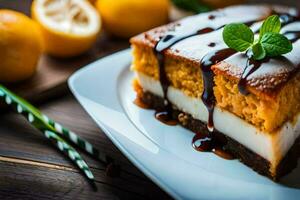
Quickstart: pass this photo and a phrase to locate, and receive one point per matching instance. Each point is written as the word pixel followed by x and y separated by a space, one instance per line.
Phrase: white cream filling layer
pixel 272 147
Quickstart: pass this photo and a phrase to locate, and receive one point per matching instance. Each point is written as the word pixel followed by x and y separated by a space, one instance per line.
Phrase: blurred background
pixel 47 35
pixel 42 43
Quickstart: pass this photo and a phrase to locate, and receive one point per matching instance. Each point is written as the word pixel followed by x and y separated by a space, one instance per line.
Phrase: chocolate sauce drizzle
pixel 207 141
pixel 212 17
pixel 251 66
pixel 165 116
pixel 287 18
pixel 208 96
pixel 293 36
pixel 162 45
pixel 166 42
pixel 212 44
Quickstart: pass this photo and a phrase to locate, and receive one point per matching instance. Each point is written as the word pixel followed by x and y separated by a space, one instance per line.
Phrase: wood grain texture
pixel 22 145
pixel 25 181
pixel 31 168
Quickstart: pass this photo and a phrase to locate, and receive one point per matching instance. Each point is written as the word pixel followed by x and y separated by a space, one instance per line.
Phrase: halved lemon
pixel 69 27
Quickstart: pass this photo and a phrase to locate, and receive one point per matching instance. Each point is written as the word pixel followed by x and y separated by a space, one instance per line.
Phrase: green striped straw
pixel 70 152
pixel 34 116
pixel 77 140
pixel 113 168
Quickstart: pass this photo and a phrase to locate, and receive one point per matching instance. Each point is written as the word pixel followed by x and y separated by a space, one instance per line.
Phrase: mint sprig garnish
pixel 270 42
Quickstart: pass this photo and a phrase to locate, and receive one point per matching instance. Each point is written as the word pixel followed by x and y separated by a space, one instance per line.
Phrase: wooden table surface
pixel 32 168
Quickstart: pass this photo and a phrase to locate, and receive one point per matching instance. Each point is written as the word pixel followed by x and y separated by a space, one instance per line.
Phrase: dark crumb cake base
pixel 249 158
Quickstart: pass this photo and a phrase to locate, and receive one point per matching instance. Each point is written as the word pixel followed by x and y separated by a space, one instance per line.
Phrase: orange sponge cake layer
pixel 266 112
pixel 269 114
pixel 183 75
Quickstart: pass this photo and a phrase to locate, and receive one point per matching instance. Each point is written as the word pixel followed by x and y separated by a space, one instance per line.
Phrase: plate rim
pixel 114 140
pixel 145 168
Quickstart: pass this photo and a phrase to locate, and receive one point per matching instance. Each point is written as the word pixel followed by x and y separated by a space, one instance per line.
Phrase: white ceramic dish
pixel 164 153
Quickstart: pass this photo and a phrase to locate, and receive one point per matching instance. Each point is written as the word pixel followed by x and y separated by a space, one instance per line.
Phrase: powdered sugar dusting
pixel 270 75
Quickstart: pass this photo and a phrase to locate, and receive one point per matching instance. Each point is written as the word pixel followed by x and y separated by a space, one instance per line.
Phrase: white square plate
pixel 164 153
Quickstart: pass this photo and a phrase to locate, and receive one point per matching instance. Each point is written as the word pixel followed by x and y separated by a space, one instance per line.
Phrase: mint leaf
pixel 271 25
pixel 276 44
pixel 258 51
pixel 238 36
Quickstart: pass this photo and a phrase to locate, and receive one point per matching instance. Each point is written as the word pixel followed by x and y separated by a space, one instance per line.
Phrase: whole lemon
pixel 126 18
pixel 20 46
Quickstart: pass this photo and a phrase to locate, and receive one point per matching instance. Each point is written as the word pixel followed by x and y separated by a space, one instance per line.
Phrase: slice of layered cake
pixel 237 106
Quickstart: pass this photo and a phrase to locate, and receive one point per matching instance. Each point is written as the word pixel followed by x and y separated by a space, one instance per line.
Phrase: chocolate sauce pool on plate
pixel 137 101
pixel 163 116
pixel 204 142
